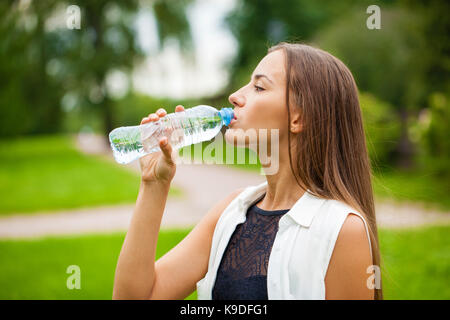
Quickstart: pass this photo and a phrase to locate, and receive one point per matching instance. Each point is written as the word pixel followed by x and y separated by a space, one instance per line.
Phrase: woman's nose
pixel 236 99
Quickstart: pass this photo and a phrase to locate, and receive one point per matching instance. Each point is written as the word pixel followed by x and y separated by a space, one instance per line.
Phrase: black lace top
pixel 242 274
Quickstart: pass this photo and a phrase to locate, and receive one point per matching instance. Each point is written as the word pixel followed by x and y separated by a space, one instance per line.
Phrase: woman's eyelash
pixel 259 88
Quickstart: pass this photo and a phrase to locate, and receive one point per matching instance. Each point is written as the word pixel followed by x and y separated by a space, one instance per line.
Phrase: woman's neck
pixel 282 191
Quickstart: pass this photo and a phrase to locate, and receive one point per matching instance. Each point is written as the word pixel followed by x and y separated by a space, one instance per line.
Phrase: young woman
pixel 309 232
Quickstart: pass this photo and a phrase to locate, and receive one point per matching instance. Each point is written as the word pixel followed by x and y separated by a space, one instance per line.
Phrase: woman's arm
pixel 135 271
pixel 346 277
pixel 174 275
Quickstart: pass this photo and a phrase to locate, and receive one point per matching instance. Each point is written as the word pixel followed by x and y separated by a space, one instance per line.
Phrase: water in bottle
pixel 194 125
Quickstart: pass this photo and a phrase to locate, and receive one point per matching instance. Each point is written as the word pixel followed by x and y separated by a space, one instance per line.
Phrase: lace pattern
pixel 242 273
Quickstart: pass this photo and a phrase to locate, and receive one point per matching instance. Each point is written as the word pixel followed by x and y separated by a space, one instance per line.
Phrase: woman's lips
pixel 234 119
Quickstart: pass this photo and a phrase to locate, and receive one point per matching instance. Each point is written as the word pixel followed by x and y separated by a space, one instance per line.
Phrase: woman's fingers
pixel 144 120
pixel 151 117
pixel 161 112
pixel 166 149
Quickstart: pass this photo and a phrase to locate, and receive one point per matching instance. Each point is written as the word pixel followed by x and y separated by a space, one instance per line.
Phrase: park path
pixel 202 186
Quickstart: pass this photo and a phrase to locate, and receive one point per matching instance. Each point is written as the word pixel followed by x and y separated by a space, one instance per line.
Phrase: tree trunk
pixel 405 148
pixel 108 121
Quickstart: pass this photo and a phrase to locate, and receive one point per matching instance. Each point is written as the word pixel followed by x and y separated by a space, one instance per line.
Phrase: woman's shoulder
pixel 339 208
pixel 338 219
pixel 332 215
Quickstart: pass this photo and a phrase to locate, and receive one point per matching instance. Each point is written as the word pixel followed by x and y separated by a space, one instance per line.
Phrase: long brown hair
pixel 332 158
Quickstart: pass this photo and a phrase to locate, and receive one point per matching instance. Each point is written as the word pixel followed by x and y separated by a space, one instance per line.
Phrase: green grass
pixel 416 264
pixel 37 269
pixel 48 173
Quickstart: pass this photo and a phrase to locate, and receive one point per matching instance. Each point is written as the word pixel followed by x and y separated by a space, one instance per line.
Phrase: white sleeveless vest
pixel 301 250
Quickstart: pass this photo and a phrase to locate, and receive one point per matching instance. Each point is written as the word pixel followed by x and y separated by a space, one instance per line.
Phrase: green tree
pixel 382 128
pixel 29 99
pixel 40 66
pixel 381 61
pixel 435 50
pixel 402 63
pixel 258 24
pixel 107 43
pixel 434 135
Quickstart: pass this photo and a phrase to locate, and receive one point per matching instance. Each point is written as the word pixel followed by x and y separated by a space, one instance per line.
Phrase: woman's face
pixel 261 104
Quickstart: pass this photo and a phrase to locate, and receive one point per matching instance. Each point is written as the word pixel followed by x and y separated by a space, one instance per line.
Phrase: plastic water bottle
pixel 194 125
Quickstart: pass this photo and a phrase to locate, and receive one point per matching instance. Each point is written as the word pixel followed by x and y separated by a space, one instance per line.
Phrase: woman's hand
pixel 159 166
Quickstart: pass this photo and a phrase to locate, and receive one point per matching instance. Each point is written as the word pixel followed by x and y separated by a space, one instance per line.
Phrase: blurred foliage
pixel 131 109
pixel 29 99
pixel 434 30
pixel 382 129
pixel 128 111
pixel 433 129
pixel 172 21
pixel 436 136
pixel 402 63
pixel 259 24
pixel 412 57
pixel 46 67
pixel 364 51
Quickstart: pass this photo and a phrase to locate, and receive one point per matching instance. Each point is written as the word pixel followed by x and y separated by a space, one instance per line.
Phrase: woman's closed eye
pixel 259 89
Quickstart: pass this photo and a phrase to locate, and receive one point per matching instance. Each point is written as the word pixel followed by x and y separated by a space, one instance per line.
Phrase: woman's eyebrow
pixel 258 76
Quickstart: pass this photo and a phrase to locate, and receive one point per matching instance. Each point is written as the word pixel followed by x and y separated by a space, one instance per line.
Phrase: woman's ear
pixel 296 125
